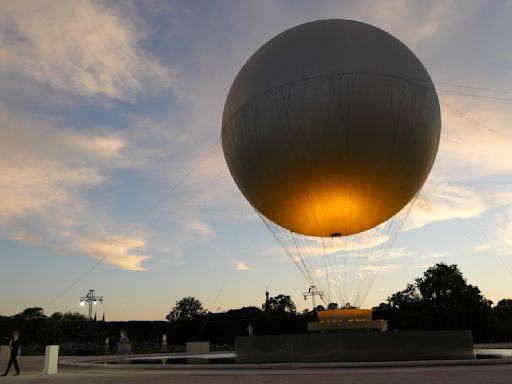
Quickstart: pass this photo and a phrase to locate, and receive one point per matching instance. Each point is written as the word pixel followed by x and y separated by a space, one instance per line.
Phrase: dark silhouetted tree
pixel 440 299
pixel 280 304
pixel 69 316
pixel 502 321
pixel 32 313
pixel 187 308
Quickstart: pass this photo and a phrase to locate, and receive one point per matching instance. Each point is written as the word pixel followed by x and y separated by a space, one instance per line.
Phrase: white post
pixel 51 359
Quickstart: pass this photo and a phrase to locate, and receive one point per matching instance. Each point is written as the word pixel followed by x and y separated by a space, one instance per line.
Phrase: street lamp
pixel 91 299
pixel 313 291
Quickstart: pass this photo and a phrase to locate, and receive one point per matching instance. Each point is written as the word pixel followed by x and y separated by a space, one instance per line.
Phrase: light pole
pixel 91 299
pixel 313 291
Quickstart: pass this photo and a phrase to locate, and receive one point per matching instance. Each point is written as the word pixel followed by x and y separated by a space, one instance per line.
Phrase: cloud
pixel 43 172
pixel 434 255
pixel 200 228
pixel 41 166
pixel 399 253
pixel 107 147
pixel 240 265
pixel 482 247
pixel 411 22
pixel 355 270
pixel 475 140
pixel 117 250
pixel 28 239
pixel 439 202
pixel 82 47
pixel 423 266
pixel 502 238
pixel 379 268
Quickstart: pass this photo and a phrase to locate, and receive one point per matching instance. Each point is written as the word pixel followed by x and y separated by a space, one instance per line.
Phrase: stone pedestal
pixel 51 359
pixel 197 347
pixel 124 348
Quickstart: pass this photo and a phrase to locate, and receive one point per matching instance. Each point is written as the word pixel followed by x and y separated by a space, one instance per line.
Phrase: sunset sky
pixel 112 175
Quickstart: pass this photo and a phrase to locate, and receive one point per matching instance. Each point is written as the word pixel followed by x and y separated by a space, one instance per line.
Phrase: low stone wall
pixel 351 347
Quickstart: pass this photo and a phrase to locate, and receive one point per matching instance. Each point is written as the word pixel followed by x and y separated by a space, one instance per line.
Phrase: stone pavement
pixel 487 373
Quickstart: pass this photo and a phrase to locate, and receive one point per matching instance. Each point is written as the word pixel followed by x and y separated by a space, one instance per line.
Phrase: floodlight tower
pixel 313 291
pixel 92 300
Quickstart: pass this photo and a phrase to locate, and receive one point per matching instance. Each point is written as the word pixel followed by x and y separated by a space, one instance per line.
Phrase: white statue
pixel 124 336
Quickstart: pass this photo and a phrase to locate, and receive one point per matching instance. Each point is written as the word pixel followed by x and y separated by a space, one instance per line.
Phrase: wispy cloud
pixel 200 227
pixel 434 255
pixel 399 253
pixel 439 202
pixel 40 165
pixel 43 169
pixel 380 268
pixel 413 22
pixel 502 237
pixel 475 141
pixel 481 247
pixel 117 250
pixel 82 47
pixel 240 265
pixel 354 271
pixel 28 239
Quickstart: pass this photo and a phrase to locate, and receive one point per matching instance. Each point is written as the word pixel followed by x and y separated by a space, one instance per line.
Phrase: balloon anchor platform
pixel 349 336
pixel 344 320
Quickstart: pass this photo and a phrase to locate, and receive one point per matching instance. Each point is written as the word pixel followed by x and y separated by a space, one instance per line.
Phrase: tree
pixel 244 312
pixel 440 299
pixel 451 301
pixel 187 308
pixel 504 309
pixel 30 314
pixel 281 304
pixel 502 320
pixel 404 299
pixel 68 316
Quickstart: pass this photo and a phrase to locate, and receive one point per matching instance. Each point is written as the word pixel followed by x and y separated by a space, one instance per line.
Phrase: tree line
pixel 440 299
pixel 187 321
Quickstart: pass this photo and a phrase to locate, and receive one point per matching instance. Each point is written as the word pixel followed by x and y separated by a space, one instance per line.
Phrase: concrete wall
pixel 340 347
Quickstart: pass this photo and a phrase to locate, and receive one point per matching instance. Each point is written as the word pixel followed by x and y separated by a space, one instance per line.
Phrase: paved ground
pixel 481 374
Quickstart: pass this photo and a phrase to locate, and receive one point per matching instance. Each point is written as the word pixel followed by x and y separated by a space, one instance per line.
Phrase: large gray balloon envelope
pixel 331 128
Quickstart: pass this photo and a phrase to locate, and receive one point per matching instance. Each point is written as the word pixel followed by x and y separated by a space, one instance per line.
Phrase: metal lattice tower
pixel 92 300
pixel 313 291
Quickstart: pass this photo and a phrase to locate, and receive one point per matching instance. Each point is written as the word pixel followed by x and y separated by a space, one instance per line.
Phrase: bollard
pixel 51 359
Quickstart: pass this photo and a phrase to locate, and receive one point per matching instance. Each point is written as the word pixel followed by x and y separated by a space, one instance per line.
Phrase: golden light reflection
pixel 332 209
pixel 337 315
